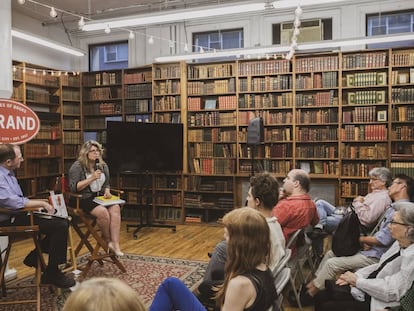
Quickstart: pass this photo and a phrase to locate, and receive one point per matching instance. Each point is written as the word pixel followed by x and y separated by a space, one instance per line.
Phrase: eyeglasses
pixel 398 182
pixel 393 222
pixel 94 150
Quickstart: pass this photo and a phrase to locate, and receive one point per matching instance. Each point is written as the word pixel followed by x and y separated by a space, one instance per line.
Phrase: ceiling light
pixel 81 23
pixel 187 14
pixel 47 43
pixel 21 1
pixel 131 35
pixel 151 40
pixel 53 12
pixel 186 47
pixel 107 29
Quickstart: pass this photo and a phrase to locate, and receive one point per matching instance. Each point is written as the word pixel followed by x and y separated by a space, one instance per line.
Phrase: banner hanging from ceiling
pixel 18 123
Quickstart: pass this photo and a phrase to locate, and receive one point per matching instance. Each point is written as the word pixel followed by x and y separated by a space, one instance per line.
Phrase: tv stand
pixel 145 200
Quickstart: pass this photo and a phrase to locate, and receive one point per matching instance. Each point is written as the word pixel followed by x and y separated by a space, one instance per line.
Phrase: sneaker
pixel 31 259
pixel 58 279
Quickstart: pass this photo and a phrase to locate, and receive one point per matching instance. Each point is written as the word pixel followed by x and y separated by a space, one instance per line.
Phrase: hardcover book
pixel 101 200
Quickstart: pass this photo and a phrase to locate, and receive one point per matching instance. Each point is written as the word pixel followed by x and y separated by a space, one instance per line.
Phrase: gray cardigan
pixel 77 172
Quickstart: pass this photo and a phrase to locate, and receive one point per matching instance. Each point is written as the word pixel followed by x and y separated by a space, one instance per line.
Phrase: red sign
pixel 18 123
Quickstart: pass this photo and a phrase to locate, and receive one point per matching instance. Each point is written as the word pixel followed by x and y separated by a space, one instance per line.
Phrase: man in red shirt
pixel 297 210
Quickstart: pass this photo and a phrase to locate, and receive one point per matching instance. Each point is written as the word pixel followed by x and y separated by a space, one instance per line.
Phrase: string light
pixel 131 35
pixel 295 34
pixel 53 12
pixel 44 72
pixel 186 47
pixel 107 29
pixel 151 40
pixel 21 1
pixel 81 23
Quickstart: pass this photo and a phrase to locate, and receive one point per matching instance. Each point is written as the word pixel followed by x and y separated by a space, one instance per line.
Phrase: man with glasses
pixel 373 246
pixel 296 210
pixel 55 229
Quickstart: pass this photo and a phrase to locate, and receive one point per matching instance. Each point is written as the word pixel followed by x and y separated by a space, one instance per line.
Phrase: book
pixel 58 203
pixel 101 200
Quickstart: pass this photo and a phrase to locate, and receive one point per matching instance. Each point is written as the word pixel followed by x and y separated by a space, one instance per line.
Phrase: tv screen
pixel 141 147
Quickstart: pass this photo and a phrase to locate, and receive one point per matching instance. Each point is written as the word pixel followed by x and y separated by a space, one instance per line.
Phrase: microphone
pixel 97 167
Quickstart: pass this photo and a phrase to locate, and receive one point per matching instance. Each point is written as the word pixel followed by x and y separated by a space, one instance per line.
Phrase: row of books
pixel 402 76
pixel 102 78
pixel 265 84
pixel 224 103
pixel 277 134
pixel 359 169
pixel 264 67
pixel 71 108
pixel 403 58
pixel 206 184
pixel 404 132
pixel 402 95
pixel 309 64
pixel 375 151
pixel 366 79
pixel 70 80
pixel 319 151
pixel 168 117
pixel 44 80
pixel 70 94
pixel 212 135
pixel 364 60
pixel 138 91
pixel 213 166
pixel 317 116
pixel 280 166
pixel 170 182
pixel 41 96
pixel 353 189
pixel 71 151
pixel 370 132
pixel 317 80
pixel 210 71
pixel 70 138
pixel 71 124
pixel 102 109
pixel 304 134
pixel 167 72
pixel 402 168
pixel 166 87
pixel 204 150
pixel 137 77
pixel 40 167
pixel 366 98
pixel 320 167
pixel 213 118
pixel 39 150
pixel 316 99
pixel 167 103
pixel 211 87
pixel 266 100
pixel 138 105
pixel 364 114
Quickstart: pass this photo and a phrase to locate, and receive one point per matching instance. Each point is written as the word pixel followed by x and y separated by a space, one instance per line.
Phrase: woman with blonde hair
pixel 248 283
pixel 103 294
pixel 89 176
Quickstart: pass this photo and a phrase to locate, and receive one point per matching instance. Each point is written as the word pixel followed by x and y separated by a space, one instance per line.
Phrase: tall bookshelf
pixel 102 101
pixel 39 88
pixel 71 118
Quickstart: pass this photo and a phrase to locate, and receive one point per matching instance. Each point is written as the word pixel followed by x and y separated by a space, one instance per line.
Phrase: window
pixel 219 40
pixel 388 24
pixel 112 55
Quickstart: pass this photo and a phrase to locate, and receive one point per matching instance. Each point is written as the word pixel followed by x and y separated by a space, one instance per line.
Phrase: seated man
pixel 296 210
pixel 55 229
pixel 373 247
pixel 368 208
pixel 262 196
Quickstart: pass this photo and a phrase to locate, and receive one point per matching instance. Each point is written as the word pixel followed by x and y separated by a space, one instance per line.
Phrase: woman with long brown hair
pixel 248 283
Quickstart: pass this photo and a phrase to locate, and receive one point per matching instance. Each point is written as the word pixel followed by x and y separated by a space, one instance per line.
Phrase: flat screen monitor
pixel 144 147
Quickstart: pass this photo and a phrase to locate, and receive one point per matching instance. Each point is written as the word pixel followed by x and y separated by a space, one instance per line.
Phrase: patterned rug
pixel 144 274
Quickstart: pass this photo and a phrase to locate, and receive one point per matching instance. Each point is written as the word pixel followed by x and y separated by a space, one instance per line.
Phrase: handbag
pixel 338 292
pixel 345 239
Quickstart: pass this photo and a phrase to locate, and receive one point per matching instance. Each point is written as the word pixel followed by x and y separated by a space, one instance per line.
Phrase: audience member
pixel 103 294
pixel 382 284
pixel 296 210
pixel 89 176
pixel 368 208
pixel 262 196
pixel 373 246
pixel 54 229
pixel 248 283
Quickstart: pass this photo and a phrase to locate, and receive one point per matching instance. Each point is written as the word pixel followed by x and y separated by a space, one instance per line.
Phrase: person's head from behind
pixel 380 178
pixel 402 223
pixel 263 191
pixel 402 186
pixel 297 181
pixel 90 152
pixel 103 294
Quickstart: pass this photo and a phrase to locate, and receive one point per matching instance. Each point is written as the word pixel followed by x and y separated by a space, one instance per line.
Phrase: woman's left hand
pixel 107 195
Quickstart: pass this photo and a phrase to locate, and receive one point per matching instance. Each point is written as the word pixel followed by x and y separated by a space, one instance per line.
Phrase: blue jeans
pixel 172 294
pixel 327 217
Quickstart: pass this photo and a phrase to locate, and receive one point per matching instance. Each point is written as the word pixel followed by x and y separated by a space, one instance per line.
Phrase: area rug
pixel 144 274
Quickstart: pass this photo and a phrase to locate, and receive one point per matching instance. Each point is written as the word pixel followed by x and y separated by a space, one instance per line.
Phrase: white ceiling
pixel 100 9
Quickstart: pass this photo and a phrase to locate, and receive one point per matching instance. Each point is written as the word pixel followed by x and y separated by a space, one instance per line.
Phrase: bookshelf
pixel 138 94
pixel 102 101
pixel 39 88
pixel 71 118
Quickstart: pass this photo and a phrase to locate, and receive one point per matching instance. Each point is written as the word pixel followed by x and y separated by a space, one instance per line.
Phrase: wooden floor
pixel 188 242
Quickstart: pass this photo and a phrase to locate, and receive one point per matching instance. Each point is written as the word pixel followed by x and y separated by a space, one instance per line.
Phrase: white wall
pixel 348 22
